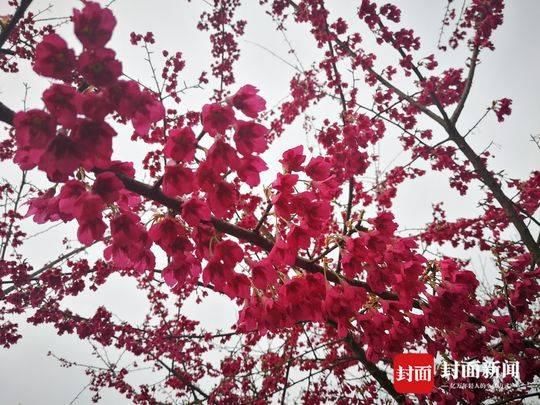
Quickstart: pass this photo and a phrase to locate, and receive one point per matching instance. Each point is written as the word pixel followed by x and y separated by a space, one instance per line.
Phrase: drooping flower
pixel 222 198
pixel 250 137
pixel 148 110
pixel 264 274
pixel 69 195
pixel 130 243
pixel 60 101
pixel 318 168
pixel 34 129
pixel 54 59
pixel 250 168
pixel 88 211
pixel 238 286
pixel 60 159
pixel 94 105
pixel 94 140
pixel 91 231
pixel 108 187
pixel 293 158
pixel 248 101
pixel 44 207
pixel 502 108
pixel 169 234
pixel 217 118
pixel 93 25
pixel 221 157
pixel 194 211
pixel 141 107
pixel 180 145
pixel 99 67
pixel 182 268
pixel 177 181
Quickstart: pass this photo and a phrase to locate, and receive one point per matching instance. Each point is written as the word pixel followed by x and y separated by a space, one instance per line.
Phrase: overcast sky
pixel 28 376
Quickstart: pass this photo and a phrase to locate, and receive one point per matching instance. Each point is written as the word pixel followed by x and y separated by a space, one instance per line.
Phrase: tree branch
pixel 468 85
pixel 192 386
pixel 19 13
pixel 47 267
pixel 380 376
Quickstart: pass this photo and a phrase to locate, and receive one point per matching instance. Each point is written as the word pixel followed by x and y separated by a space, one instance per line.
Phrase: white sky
pixel 28 376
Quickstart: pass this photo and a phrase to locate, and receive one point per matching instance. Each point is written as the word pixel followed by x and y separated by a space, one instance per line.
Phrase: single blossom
pixel 169 234
pixel 54 59
pixel 177 180
pixel 93 25
pixel 94 105
pixel 248 101
pixel 250 168
pixel 217 118
pixel 318 168
pixel 143 108
pixel 60 100
pixel 250 137
pixel 148 110
pixel 223 198
pixel 94 140
pixel 292 159
pixel 60 159
pixel 180 145
pixel 99 67
pixel 34 128
pixel 108 186
pixel 194 211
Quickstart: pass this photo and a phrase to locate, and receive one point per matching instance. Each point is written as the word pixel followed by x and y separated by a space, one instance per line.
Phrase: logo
pixel 414 373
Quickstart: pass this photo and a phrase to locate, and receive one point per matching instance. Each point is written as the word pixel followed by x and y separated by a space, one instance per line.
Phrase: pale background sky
pixel 28 376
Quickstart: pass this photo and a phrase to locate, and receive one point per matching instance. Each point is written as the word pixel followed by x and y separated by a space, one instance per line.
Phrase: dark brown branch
pixel 493 185
pixel 483 173
pixel 6 114
pixel 263 218
pixel 468 85
pixel 19 13
pixel 9 233
pixel 48 266
pixel 379 375
pixel 285 385
pixel 184 380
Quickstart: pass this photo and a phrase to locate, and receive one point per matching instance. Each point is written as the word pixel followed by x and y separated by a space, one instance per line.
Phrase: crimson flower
pixel 178 180
pixel 293 158
pixel 94 105
pixel 216 118
pixel 222 198
pixel 180 145
pixel 318 168
pixel 99 67
pixel 60 101
pixel 108 187
pixel 250 137
pixel 93 25
pixel 247 101
pixel 60 159
pixel 54 59
pixel 250 168
pixel 34 129
pixel 94 140
pixel 181 268
pixel 88 212
pixel 194 211
pixel 141 107
pixel 502 108
pixel 166 233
